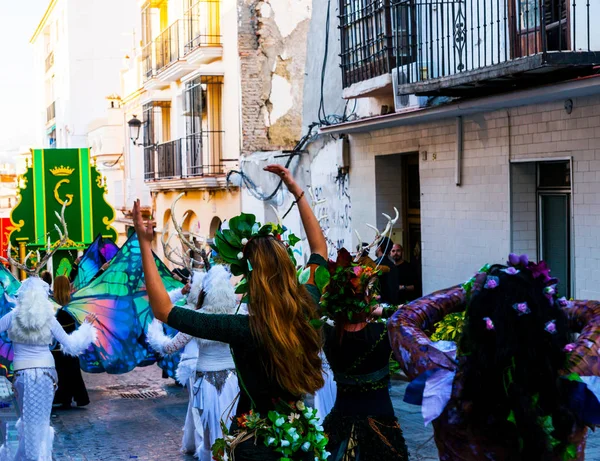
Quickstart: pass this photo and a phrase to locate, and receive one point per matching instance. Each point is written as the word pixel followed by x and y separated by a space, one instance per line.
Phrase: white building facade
pixel 480 123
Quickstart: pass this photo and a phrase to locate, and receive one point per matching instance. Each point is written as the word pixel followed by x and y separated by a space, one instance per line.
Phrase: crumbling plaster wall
pixel 272 47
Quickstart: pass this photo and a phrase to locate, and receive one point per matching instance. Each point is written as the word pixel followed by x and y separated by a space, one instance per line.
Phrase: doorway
pixel 397 184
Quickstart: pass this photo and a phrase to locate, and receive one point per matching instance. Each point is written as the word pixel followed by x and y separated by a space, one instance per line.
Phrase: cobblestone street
pixel 119 425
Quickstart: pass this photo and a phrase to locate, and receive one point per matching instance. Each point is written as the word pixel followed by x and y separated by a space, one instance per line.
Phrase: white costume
pixel 325 397
pixel 213 383
pixel 32 328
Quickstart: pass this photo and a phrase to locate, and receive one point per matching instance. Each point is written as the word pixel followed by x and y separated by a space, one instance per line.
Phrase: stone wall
pixel 272 47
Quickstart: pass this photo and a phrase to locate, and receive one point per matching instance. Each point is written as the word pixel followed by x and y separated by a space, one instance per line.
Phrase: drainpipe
pixel 459 150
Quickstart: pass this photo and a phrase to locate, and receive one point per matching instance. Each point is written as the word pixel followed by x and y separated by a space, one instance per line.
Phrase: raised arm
pixel 413 349
pixel 157 294
pixel 314 234
pixel 78 341
pixel 162 343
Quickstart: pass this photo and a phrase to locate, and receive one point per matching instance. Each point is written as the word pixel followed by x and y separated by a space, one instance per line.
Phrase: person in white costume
pixel 215 384
pixel 32 328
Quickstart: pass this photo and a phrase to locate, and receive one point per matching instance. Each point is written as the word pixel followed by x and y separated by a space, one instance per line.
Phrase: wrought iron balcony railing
pixel 169 158
pixel 168 46
pixel 453 46
pixel 194 156
pixel 203 25
pixel 148 61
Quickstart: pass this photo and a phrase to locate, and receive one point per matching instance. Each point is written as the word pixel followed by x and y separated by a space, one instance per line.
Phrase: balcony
pixel 479 47
pixel 193 161
pixel 186 44
pixel 51 112
pixel 49 61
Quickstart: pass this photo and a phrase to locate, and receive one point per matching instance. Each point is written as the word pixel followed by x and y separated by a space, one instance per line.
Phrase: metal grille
pixel 51 112
pixel 449 37
pixel 366 39
pixel 203 25
pixel 169 159
pixel 167 46
pixel 142 395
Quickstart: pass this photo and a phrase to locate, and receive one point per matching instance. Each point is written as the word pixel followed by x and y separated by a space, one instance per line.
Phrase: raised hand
pixel 144 230
pixel 286 177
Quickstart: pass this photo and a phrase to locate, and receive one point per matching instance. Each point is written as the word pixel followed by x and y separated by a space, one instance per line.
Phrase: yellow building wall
pixel 205 210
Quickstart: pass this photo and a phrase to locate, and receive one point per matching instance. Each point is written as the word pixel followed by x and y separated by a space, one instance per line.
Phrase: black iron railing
pixel 51 112
pixel 147 61
pixel 49 61
pixel 203 25
pixel 195 155
pixel 366 39
pixel 433 39
pixel 167 46
pixel 149 163
pixel 169 157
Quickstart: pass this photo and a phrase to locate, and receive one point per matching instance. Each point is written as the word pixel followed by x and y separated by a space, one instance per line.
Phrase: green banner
pixel 57 178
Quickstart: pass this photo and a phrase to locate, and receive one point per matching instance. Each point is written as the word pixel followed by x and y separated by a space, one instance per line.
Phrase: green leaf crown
pixel 231 243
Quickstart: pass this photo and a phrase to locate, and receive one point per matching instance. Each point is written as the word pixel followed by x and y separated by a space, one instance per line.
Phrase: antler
pixel 379 235
pixel 64 236
pixel 186 238
pixel 169 251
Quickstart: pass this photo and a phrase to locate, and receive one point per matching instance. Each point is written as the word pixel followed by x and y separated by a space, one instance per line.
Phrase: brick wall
pixel 464 227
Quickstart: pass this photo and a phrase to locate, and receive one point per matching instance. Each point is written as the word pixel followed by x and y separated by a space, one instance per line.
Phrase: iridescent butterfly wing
pixel 90 264
pixel 120 346
pixel 144 313
pixel 108 249
pixel 8 288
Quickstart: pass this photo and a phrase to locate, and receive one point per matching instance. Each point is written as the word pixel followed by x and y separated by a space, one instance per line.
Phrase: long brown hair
pixel 62 290
pixel 280 313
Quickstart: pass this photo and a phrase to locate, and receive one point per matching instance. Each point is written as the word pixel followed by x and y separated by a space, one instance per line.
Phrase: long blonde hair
pixel 280 313
pixel 62 290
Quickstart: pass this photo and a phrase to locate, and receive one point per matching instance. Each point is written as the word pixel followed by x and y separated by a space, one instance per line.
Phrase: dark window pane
pixel 554 174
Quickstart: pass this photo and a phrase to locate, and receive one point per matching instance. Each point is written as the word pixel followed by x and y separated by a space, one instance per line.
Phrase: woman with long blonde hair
pixel 275 348
pixel 70 382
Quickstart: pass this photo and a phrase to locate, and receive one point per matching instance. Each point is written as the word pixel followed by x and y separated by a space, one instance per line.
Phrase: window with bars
pixel 156 122
pixel 372 37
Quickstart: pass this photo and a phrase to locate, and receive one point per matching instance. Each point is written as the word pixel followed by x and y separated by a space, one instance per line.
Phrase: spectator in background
pixel 405 276
pixel 47 277
pixel 387 281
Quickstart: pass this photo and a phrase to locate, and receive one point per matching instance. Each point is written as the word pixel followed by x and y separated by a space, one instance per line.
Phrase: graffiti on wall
pixel 332 194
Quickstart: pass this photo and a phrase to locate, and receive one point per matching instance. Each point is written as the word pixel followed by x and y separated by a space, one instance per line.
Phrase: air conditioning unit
pixel 405 74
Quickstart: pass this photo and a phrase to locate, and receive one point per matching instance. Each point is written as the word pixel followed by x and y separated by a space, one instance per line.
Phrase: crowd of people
pixel 520 383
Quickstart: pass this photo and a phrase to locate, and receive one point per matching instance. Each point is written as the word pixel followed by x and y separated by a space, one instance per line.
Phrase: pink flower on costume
pixel 521 308
pixel 569 347
pixel 551 327
pixel 357 270
pixel 492 282
pixel 488 323
pixel 511 271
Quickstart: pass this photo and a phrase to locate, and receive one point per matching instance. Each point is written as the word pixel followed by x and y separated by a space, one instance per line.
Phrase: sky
pixel 18 20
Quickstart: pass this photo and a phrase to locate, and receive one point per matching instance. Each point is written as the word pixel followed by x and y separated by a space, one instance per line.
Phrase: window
pixel 529 14
pixel 204 125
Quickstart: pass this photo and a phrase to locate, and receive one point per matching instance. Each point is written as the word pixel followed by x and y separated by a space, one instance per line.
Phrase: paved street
pixel 119 425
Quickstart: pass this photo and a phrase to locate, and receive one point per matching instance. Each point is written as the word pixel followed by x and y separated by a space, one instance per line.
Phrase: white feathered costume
pixel 32 328
pixel 212 383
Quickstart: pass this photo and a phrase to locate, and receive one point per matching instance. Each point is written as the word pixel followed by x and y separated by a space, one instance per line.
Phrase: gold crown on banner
pixel 62 171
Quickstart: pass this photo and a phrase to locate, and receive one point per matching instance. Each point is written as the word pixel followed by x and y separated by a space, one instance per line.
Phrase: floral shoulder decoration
pixel 289 429
pixel 230 244
pixel 347 286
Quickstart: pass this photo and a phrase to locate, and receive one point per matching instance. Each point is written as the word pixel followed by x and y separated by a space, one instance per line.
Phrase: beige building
pixel 209 81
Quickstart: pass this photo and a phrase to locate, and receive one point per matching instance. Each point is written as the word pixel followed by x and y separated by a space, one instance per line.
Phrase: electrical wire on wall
pixel 324 119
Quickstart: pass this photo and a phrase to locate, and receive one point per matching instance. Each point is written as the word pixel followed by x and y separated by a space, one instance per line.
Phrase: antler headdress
pixel 41 262
pixel 177 256
pixel 378 235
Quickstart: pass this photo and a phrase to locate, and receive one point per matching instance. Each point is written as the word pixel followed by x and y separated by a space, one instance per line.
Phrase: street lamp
pixel 135 125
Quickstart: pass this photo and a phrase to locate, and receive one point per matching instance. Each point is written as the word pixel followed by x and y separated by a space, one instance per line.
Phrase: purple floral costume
pixel 420 358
